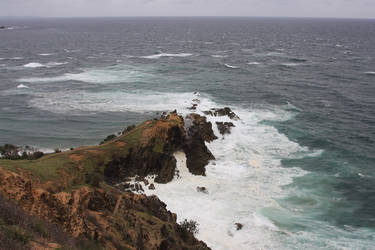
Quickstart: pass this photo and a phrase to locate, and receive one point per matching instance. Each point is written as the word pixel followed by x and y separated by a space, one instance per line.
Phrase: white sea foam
pixel 290 64
pixel 16 58
pixel 219 56
pixel 112 74
pixel 33 65
pixel 230 66
pixel 246 177
pixel 369 72
pixel 69 101
pixel 22 86
pixel 47 65
pixel 46 54
pixel 157 56
pixel 254 63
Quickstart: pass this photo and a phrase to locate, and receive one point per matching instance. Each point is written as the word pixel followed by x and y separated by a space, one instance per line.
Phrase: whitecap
pixel 22 86
pixel 219 56
pixel 34 65
pixel 47 65
pixel 46 54
pixel 254 63
pixel 16 58
pixel 369 72
pixel 290 64
pixel 157 56
pixel 230 66
pixel 52 64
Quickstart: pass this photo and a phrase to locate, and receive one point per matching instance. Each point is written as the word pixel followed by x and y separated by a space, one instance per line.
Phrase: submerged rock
pixel 202 190
pixel 151 186
pixel 224 127
pixel 239 226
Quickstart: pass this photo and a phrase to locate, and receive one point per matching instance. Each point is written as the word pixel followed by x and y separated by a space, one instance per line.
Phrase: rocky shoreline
pixel 96 192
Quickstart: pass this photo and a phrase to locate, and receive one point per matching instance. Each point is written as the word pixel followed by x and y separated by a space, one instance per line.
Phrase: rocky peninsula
pixel 89 196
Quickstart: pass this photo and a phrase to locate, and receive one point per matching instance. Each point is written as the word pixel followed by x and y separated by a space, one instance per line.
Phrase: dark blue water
pixel 70 82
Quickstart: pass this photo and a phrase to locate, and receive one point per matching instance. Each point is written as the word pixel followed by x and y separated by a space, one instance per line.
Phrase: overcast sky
pixel 288 8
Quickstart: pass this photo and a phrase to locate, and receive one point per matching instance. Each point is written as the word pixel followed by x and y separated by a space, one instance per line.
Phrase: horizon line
pixel 209 16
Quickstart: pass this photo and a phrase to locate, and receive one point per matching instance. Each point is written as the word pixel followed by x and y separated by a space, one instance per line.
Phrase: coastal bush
pixel 189 226
pixel 12 152
pixel 108 138
pixel 128 128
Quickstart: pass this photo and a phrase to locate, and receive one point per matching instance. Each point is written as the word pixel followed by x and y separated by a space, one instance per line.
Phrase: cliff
pixel 76 189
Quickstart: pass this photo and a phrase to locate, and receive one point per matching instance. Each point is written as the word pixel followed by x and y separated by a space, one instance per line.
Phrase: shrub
pixel 190 226
pixel 108 138
pixel 129 128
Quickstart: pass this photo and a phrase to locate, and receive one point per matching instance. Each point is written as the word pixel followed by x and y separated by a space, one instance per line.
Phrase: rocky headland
pixel 87 192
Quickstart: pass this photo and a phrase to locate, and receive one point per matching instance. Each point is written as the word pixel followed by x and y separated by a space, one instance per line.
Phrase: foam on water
pixel 245 177
pixel 112 74
pixel 230 66
pixel 219 56
pixel 33 65
pixel 40 65
pixel 253 63
pixel 21 86
pixel 157 56
pixel 46 54
pixel 370 73
pixel 69 101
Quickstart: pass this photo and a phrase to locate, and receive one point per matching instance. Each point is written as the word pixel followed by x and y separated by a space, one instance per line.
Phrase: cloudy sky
pixel 290 8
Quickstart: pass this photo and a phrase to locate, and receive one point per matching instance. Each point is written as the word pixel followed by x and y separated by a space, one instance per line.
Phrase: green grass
pixel 75 165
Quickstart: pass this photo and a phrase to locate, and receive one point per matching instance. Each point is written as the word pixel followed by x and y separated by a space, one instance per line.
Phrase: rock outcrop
pixel 222 112
pixel 114 219
pixel 75 189
pixel 197 154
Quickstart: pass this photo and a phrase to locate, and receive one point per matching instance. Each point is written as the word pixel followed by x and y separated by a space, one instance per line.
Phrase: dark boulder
pixel 224 127
pixel 239 226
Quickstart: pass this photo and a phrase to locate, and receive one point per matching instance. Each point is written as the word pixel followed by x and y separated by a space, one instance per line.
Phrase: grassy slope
pixel 80 162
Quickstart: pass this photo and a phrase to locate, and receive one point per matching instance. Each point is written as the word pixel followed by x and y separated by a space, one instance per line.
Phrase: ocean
pixel 297 170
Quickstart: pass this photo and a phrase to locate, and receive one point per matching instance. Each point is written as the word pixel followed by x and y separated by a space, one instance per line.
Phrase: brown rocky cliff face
pixel 115 219
pixel 97 211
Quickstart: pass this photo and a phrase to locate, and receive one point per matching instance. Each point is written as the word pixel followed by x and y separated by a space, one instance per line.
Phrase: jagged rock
pixel 197 154
pixel 151 186
pixel 239 226
pixel 222 112
pixel 224 127
pixel 201 126
pixel 2 27
pixel 202 190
